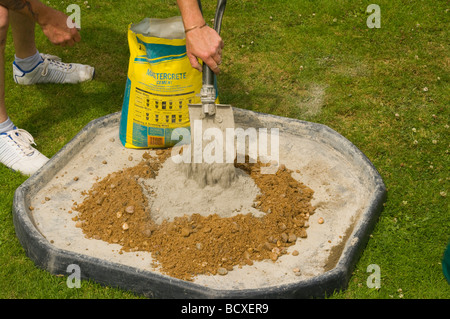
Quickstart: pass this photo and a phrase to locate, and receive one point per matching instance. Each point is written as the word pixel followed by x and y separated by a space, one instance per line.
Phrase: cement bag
pixel 161 83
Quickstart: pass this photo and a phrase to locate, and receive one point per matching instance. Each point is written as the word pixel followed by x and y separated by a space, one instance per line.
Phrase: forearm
pixel 191 14
pixel 33 9
pixel 52 22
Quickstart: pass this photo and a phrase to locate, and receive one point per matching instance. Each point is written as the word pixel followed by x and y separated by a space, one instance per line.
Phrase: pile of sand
pixel 192 230
pixel 173 194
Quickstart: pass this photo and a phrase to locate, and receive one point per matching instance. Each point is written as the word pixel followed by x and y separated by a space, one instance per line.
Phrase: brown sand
pixel 116 210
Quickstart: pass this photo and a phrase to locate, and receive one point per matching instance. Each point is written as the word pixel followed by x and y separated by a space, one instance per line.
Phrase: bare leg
pixel 4 22
pixel 27 69
pixel 22 29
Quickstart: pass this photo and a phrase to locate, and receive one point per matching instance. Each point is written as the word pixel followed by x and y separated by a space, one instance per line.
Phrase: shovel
pixel 215 119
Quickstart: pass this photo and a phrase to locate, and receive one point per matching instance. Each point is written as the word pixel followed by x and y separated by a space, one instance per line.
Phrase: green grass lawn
pixel 387 90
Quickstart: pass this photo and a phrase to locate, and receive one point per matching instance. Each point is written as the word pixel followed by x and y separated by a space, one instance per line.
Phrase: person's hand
pixel 55 27
pixel 206 44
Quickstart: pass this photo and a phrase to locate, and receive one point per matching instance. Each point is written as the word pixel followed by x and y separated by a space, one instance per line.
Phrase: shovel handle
pixel 208 74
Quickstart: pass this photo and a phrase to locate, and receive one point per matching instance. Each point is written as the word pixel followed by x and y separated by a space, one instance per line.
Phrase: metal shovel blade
pixel 222 119
pixel 211 134
pixel 205 127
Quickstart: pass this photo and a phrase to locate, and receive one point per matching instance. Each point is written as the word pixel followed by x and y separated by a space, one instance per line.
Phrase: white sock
pixel 6 126
pixel 28 63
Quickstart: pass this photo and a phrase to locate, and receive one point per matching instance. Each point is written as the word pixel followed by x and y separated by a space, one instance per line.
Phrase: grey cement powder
pixel 174 194
pixel 204 174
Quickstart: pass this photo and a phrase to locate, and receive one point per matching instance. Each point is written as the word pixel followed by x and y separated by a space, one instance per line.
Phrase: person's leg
pixel 27 56
pixel 32 67
pixel 16 151
pixel 22 29
pixel 4 23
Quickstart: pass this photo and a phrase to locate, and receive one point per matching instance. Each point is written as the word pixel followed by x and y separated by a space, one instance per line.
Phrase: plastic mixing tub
pixel 348 193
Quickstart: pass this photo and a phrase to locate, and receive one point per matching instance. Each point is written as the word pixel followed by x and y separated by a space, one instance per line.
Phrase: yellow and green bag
pixel 161 83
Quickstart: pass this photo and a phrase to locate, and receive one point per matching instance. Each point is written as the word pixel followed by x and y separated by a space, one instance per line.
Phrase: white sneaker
pixel 17 153
pixel 52 70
